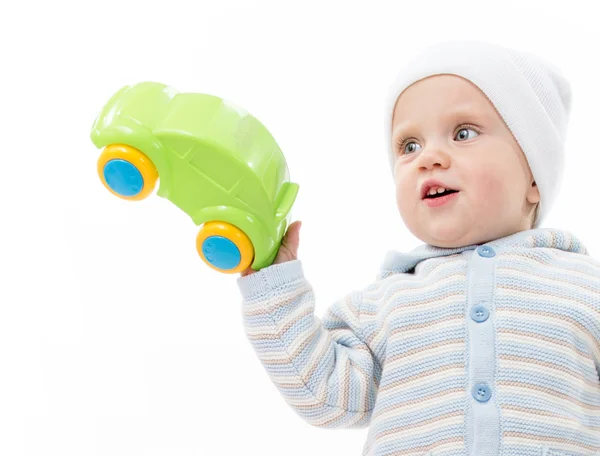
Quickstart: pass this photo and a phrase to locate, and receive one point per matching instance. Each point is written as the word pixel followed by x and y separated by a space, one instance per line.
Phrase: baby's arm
pixel 324 369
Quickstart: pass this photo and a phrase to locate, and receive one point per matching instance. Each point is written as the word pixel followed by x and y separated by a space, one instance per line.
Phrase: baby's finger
pixel 247 271
pixel 292 234
pixel 291 240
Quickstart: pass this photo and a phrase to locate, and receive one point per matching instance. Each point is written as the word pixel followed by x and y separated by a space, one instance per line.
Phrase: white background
pixel 115 339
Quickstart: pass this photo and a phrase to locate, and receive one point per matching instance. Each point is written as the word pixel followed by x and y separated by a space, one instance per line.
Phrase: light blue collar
pixel 396 262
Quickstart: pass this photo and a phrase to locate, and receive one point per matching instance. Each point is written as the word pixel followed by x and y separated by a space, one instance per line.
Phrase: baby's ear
pixel 533 196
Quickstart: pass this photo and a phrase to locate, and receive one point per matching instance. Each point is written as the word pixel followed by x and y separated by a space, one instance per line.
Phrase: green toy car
pixel 213 160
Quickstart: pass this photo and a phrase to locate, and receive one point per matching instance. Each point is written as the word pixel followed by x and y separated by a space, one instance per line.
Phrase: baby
pixel 485 340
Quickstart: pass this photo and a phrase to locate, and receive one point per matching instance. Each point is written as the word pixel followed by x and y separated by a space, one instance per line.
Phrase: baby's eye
pixel 407 148
pixel 462 133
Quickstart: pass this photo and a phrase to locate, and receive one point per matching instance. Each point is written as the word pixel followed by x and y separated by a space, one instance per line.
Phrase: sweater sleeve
pixel 323 368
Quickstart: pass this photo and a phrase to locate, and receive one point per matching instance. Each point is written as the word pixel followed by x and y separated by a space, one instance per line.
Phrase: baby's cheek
pixel 405 202
pixel 404 194
pixel 490 189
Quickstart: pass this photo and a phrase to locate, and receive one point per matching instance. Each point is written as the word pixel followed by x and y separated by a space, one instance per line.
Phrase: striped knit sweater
pixel 485 350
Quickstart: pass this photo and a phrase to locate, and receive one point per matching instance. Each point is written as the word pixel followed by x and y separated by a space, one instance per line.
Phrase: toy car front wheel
pixel 126 172
pixel 224 247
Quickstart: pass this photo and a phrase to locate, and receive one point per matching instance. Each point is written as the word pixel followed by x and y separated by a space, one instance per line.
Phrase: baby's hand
pixel 288 250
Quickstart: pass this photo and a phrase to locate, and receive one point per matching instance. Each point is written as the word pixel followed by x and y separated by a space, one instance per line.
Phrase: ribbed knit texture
pixel 407 355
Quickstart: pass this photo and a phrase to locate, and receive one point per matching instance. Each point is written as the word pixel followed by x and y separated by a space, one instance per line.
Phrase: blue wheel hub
pixel 123 177
pixel 221 252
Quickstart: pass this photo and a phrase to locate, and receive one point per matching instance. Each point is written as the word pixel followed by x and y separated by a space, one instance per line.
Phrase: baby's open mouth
pixel 444 193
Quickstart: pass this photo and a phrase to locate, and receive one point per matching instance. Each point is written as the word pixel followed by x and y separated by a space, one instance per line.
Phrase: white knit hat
pixel 529 93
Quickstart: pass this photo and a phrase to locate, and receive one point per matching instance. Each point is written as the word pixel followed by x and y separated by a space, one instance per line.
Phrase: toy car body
pixel 214 161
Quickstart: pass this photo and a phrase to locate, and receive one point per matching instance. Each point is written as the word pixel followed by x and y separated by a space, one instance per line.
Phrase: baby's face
pixel 453 133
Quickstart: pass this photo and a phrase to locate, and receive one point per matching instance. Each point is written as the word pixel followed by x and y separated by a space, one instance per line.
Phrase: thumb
pixel 291 240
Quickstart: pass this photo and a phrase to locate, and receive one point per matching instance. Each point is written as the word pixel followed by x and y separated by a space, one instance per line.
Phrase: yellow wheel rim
pixel 224 247
pixel 126 172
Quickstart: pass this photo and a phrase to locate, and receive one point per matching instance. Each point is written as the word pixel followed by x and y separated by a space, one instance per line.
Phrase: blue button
pixel 481 392
pixel 486 251
pixel 480 313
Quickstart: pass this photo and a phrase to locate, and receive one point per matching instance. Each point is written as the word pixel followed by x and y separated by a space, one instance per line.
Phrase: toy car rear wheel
pixel 127 172
pixel 224 247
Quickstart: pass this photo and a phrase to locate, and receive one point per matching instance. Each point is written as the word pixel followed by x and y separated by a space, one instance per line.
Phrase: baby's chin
pixel 445 243
pixel 447 230
pixel 447 235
